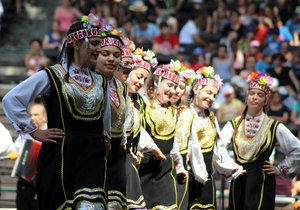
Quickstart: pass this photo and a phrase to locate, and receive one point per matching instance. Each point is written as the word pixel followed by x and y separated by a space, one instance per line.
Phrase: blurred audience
pixel 35 59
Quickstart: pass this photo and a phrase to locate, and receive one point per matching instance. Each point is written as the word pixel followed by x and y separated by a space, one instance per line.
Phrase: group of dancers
pixel 127 133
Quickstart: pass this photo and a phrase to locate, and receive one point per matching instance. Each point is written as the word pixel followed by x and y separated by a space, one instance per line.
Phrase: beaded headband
pixel 88 22
pixel 261 81
pixel 166 73
pixel 144 59
pixel 206 76
pixel 111 36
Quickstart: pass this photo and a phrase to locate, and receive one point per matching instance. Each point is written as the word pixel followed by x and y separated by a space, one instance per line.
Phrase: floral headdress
pixel 206 76
pixel 129 47
pixel 144 59
pixel 261 81
pixel 111 36
pixel 184 71
pixel 92 28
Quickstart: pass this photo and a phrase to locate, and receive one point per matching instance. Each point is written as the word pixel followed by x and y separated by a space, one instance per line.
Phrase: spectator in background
pixel 106 15
pixel 144 32
pixel 52 41
pixel 284 32
pixel 273 40
pixel 286 52
pixel 293 24
pixel 26 191
pixel 235 24
pixel 189 33
pixel 231 107
pixel 166 44
pixel 67 15
pixel 198 59
pixel 284 74
pixel 254 50
pixel 278 110
pixel 222 63
pixel 265 63
pixel 35 59
pixel 260 31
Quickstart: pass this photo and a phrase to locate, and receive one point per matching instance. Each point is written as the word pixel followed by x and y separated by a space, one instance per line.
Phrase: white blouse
pixel 288 144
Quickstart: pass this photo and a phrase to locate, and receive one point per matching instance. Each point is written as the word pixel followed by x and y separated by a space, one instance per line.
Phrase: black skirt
pixel 72 172
pixel 158 181
pixel 135 198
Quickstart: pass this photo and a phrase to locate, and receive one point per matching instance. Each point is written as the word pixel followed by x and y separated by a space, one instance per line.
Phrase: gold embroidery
pixel 249 149
pixel 206 133
pixel 183 129
pixel 161 122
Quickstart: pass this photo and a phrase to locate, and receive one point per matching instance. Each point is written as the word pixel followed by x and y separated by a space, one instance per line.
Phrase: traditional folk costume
pixel 204 137
pixel 117 93
pixel 135 198
pixel 68 166
pixel 158 178
pixel 253 143
pixel 67 176
pixel 184 120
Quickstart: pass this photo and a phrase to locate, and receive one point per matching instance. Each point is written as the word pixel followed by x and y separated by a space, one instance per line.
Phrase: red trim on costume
pixel 167 74
pixel 208 81
pixel 77 35
pixel 255 85
pixel 142 64
pixel 111 41
pixel 126 53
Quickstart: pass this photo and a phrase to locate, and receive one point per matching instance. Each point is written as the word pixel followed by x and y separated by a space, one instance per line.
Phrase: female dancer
pixel 158 176
pixel 184 119
pixel 141 67
pixel 253 136
pixel 108 62
pixel 74 143
pixel 205 138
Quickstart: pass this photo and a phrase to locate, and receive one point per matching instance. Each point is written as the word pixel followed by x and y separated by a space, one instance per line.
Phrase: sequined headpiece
pixel 111 37
pixel 144 59
pixel 92 28
pixel 206 76
pixel 261 81
pixel 184 72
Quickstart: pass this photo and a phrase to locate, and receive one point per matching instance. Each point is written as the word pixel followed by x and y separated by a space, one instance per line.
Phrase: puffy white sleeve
pixel 222 161
pixel 16 101
pixel 290 146
pixel 177 158
pixel 196 157
pixel 146 143
pixel 6 142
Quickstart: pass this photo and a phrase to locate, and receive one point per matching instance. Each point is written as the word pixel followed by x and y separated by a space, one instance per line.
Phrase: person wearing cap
pixel 73 144
pixel 253 135
pixel 206 150
pixel 231 107
pixel 108 62
pixel 158 176
pixel 184 116
pixel 284 74
pixel 254 50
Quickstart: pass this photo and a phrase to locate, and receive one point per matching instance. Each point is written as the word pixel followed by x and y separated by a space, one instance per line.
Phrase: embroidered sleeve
pixel 290 146
pixel 16 101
